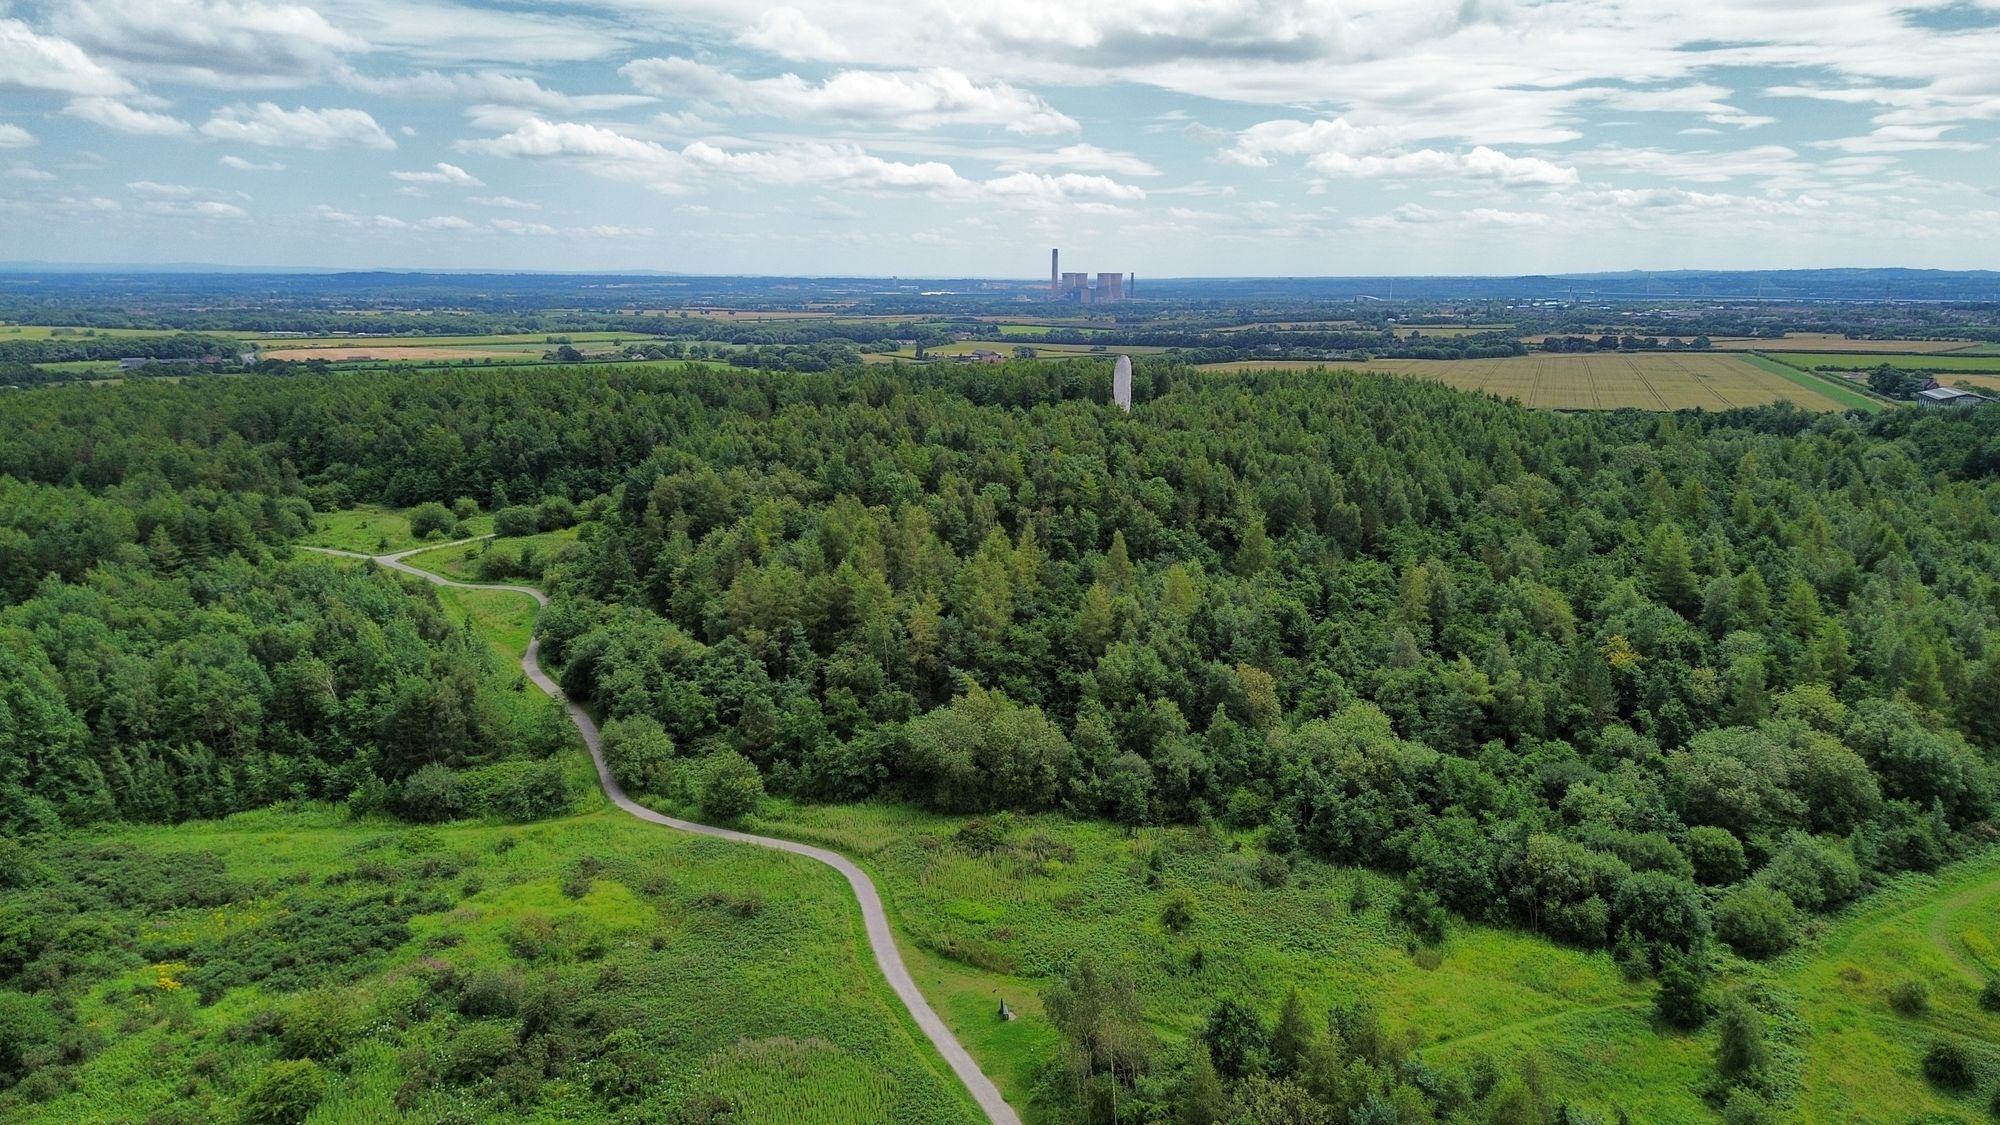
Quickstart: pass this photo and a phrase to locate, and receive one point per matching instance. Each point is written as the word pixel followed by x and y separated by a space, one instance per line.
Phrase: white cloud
pixel 1337 148
pixel 117 116
pixel 1414 214
pixel 445 222
pixel 1040 188
pixel 1084 157
pixel 490 87
pixel 506 201
pixel 194 208
pixel 160 190
pixel 13 136
pixel 442 174
pixel 211 42
pixel 238 164
pixel 788 33
pixel 910 99
pixel 32 61
pixel 515 226
pixel 26 171
pixel 275 127
pixel 609 231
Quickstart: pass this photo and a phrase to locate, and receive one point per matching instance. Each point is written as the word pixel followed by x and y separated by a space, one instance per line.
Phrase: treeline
pixel 68 349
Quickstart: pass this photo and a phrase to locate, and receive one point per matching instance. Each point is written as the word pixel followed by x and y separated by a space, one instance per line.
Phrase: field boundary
pixel 1838 390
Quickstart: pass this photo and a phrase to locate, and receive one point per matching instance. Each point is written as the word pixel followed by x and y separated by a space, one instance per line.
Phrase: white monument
pixel 1121 383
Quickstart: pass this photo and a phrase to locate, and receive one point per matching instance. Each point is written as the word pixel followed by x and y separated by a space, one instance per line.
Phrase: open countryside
pixel 1653 381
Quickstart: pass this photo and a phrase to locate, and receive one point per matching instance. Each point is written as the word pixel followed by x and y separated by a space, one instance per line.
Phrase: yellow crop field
pixel 1831 342
pixel 1607 381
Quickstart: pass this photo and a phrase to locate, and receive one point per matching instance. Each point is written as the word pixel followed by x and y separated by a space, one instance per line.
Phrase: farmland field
pixel 400 353
pixel 1831 342
pixel 46 332
pixel 1862 361
pixel 540 341
pixel 1655 381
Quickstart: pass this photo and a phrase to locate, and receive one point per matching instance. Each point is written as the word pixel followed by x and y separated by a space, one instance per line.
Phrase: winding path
pixel 887 957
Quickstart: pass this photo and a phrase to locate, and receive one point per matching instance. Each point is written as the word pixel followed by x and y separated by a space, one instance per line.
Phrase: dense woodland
pixel 1633 681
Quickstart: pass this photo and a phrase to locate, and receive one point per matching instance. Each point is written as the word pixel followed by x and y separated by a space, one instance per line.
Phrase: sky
pixel 961 138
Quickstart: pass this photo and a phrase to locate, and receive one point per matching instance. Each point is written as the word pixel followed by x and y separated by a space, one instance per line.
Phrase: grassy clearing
pixel 374 531
pixel 719 970
pixel 462 562
pixel 1851 397
pixel 978 928
pixel 1834 342
pixel 1608 381
pixel 987 927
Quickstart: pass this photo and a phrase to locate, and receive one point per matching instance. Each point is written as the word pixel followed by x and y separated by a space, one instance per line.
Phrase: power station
pixel 1077 286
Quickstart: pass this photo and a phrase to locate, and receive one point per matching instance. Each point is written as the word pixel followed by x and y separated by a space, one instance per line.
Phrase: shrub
pixel 283 1093
pixel 1420 911
pixel 431 795
pixel 555 512
pixel 520 520
pixel 1757 921
pixel 1910 997
pixel 1273 871
pixel 1717 855
pixel 1180 912
pixel 1989 995
pixel 464 508
pixel 731 787
pixel 431 519
pixel 1950 1066
pixel 984 835
pixel 478 1049
pixel 318 1027
pixel 640 753
pixel 490 993
pixel 1682 999
pixel 1741 1052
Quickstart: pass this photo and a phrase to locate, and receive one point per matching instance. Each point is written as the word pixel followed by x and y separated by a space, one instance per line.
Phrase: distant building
pixel 1110 287
pixel 981 355
pixel 131 363
pixel 1949 398
pixel 1077 287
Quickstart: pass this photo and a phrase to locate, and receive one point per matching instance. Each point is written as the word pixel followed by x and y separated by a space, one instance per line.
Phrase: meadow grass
pixel 376 530
pixel 742 972
pixel 462 561
pixel 981 928
pixel 1862 361
pixel 1852 397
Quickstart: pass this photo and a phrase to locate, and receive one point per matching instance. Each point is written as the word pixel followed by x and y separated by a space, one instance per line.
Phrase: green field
pixel 462 561
pixel 649 972
pixel 375 531
pixel 984 927
pixel 1830 386
pixel 1862 361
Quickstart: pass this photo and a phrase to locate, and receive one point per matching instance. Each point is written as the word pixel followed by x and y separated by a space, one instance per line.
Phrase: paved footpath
pixel 887 957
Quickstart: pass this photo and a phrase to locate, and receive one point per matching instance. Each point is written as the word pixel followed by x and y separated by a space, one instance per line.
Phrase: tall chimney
pixel 1053 287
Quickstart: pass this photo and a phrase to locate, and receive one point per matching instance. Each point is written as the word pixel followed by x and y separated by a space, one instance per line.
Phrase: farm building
pixel 1949 398
pixel 980 355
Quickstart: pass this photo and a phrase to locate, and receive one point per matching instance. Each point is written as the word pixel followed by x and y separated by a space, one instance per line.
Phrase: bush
pixel 283 1093
pixel 1741 1052
pixel 490 993
pixel 640 753
pixel 431 795
pixel 731 787
pixel 1910 997
pixel 464 508
pixel 1950 1066
pixel 1682 1000
pixel 1989 995
pixel 1179 913
pixel 478 1049
pixel 512 522
pixel 318 1027
pixel 1717 855
pixel 1420 911
pixel 1757 921
pixel 555 513
pixel 431 519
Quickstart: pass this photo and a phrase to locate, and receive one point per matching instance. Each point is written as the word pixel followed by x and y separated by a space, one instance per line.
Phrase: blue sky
pixel 954 137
